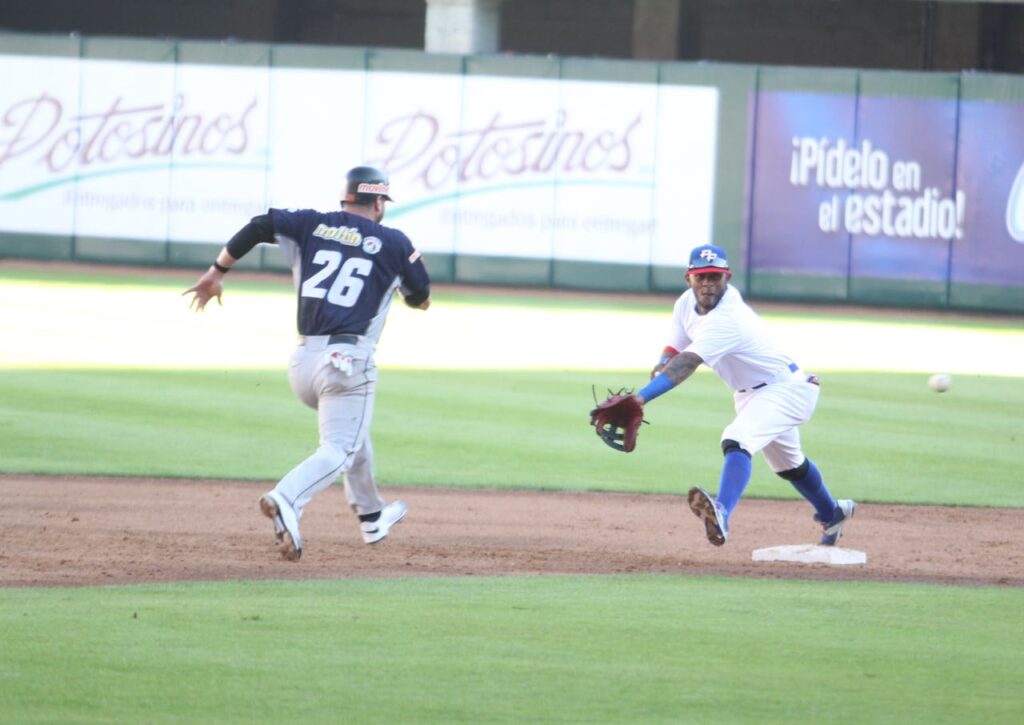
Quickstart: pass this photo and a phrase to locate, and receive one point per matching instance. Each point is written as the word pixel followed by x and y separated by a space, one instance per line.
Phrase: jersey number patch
pixel 345 289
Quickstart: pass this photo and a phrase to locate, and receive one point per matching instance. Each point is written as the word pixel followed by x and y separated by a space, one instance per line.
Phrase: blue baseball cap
pixel 708 258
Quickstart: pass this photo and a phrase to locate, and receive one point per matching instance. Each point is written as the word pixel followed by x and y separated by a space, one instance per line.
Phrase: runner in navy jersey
pixel 347 268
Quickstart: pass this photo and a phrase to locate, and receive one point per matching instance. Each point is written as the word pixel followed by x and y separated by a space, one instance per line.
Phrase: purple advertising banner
pixel 794 132
pixel 888 188
pixel 905 211
pixel 990 170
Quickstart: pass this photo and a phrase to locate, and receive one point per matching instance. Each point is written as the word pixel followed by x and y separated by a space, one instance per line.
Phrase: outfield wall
pixel 824 185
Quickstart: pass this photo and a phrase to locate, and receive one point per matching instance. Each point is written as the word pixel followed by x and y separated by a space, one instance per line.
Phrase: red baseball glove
pixel 618 419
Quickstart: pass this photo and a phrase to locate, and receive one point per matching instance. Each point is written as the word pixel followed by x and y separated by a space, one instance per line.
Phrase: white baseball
pixel 940 382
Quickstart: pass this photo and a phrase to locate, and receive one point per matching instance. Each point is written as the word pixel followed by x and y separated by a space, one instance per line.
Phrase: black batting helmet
pixel 365 182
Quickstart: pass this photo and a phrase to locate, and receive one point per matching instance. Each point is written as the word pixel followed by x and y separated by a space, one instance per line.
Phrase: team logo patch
pixel 371 245
pixel 708 255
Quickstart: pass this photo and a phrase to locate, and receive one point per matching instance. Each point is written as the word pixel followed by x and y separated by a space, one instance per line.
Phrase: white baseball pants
pixel 339 381
pixel 769 419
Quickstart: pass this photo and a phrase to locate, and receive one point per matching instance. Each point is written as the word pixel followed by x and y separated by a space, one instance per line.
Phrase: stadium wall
pixel 838 185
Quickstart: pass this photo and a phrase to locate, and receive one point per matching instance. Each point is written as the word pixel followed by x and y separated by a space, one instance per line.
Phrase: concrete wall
pixel 895 34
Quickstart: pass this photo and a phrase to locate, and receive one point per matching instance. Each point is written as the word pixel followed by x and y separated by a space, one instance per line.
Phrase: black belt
pixel 793 367
pixel 341 339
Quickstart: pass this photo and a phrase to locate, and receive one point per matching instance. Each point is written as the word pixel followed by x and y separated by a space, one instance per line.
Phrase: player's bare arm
pixel 667 354
pixel 677 369
pixel 680 367
pixel 211 284
pixel 260 229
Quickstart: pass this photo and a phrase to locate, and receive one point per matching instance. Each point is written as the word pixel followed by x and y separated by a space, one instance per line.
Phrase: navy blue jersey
pixel 346 269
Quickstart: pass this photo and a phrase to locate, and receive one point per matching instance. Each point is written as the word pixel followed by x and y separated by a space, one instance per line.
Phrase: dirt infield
pixel 57 531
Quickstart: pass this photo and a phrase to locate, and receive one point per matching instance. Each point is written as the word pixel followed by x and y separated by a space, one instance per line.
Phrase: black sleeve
pixel 418 298
pixel 259 229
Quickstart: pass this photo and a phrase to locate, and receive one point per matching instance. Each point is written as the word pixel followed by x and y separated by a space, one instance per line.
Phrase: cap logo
pixel 709 255
pixel 372 189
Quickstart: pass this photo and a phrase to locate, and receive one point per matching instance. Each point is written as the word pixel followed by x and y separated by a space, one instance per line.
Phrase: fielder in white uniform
pixel 712 325
pixel 347 268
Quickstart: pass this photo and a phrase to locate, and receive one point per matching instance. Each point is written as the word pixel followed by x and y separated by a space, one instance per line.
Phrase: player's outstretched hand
pixel 208 287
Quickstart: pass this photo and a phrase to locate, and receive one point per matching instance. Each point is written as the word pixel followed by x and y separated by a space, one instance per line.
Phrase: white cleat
pixel 286 525
pixel 705 508
pixel 374 531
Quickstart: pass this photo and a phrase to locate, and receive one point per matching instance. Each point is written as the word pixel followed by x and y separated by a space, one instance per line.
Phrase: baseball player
pixel 347 267
pixel 712 325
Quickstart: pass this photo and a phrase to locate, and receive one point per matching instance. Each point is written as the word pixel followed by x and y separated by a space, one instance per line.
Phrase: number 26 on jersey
pixel 346 287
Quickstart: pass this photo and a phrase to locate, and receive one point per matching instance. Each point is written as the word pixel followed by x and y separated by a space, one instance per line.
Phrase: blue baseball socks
pixel 806 479
pixel 735 477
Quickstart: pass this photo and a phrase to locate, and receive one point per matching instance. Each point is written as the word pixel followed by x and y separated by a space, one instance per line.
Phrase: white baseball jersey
pixel 731 339
pixel 773 397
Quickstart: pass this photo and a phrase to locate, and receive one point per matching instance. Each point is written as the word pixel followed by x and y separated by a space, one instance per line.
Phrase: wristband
pixel 662 383
pixel 220 267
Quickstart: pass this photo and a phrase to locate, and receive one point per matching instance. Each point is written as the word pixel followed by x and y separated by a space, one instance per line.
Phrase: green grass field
pixel 877 437
pixel 548 649
pixel 516 649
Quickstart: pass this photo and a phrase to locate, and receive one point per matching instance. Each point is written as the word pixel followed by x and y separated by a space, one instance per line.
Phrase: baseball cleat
pixel 834 527
pixel 374 531
pixel 278 528
pixel 286 525
pixel 709 511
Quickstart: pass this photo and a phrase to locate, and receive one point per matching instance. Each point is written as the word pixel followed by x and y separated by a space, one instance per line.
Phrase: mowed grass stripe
pixel 877 437
pixel 583 649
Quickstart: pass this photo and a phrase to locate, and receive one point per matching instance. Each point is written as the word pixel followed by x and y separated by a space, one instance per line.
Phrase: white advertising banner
pixel 684 176
pixel 414 126
pixel 317 135
pixel 131 150
pixel 122 126
pixel 482 165
pixel 605 172
pixel 38 105
pixel 219 161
